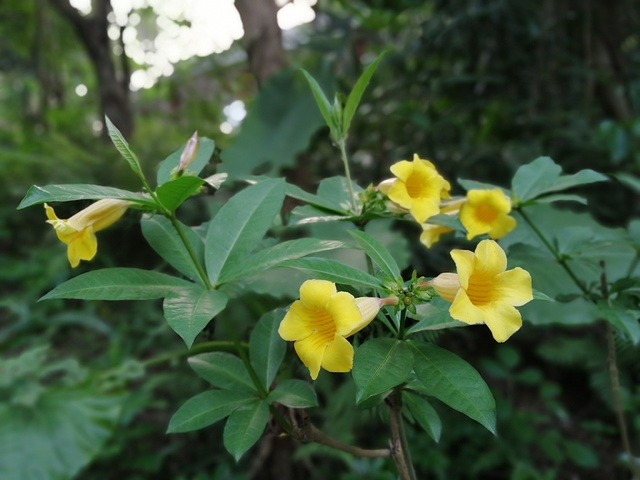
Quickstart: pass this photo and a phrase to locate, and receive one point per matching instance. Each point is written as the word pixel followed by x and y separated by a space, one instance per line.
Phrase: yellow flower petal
pixel 402 169
pixel 316 293
pixel 503 320
pixel 490 259
pixel 83 247
pixel 338 356
pixel 345 313
pixel 462 309
pixel 398 194
pixel 423 208
pixel 446 285
pixel 431 233
pixel 501 226
pixel 514 286
pixel 311 351
pixel 465 263
pixel 369 308
pixel 295 325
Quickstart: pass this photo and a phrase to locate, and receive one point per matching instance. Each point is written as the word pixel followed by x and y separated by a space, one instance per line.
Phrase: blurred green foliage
pixel 478 87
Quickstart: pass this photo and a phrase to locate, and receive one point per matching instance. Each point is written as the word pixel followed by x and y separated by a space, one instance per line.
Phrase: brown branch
pixel 307 432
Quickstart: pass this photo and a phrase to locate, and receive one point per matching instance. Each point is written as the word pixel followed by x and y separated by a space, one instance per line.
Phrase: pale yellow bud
pixel 446 285
pixel 190 151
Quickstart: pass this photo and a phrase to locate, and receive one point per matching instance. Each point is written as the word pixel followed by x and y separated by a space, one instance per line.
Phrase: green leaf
pixel 123 147
pixel 189 310
pixel 67 193
pixel 356 94
pixel 629 180
pixel 223 370
pixel 562 197
pixel 172 194
pixel 240 224
pixel 335 191
pixel 206 408
pixel 56 438
pixel 622 318
pixel 266 348
pixel 118 284
pixel 272 256
pixel 296 192
pixel 377 253
pixel 379 365
pixel 423 413
pixel 474 185
pixel 205 151
pixel 543 175
pixel 245 426
pixel 449 221
pixel 294 394
pixel 163 238
pixel 323 104
pixel 453 381
pixel 326 269
pixel 280 123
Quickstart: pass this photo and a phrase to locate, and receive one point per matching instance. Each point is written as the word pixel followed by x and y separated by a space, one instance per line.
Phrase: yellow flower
pixel 418 187
pixel 78 232
pixel 485 211
pixel 320 322
pixel 483 291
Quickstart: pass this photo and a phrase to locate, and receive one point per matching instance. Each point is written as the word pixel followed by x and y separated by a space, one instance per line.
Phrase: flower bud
pixel 189 153
pixel 446 285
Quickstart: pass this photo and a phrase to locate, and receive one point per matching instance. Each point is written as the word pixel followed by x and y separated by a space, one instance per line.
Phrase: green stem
pixel 345 161
pixel 554 252
pixel 403 318
pixel 192 254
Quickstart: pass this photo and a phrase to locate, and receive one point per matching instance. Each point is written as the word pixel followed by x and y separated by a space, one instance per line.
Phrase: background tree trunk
pixel 113 88
pixel 262 37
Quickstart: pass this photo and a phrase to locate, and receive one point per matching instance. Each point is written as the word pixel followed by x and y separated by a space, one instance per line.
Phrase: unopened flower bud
pixel 189 153
pixel 385 185
pixel 446 285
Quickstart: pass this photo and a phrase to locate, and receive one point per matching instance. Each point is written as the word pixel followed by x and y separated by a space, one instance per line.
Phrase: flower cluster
pixel 419 189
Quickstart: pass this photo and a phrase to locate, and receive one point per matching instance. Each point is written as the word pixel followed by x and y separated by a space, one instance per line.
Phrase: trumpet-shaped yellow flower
pixel 79 231
pixel 418 188
pixel 321 320
pixel 483 291
pixel 485 211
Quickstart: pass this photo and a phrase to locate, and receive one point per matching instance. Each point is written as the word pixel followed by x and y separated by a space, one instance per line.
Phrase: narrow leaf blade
pixel 377 253
pixel 118 284
pixel 356 94
pixel 322 101
pixel 453 381
pixel 326 269
pixel 189 310
pixel 379 365
pixel 266 348
pixel 240 224
pixel 71 192
pixel 123 147
pixel 205 409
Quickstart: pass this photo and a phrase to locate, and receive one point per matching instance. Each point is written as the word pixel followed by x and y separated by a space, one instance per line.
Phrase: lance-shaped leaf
pixel 189 310
pixel 423 413
pixel 123 147
pixel 272 256
pixel 377 253
pixel 326 269
pixel 323 104
pixel 172 194
pixel 294 394
pixel 165 240
pixel 223 370
pixel 205 151
pixel 206 408
pixel 543 175
pixel 266 348
pixel 245 426
pixel 67 193
pixel 356 94
pixel 240 224
pixel 453 381
pixel 623 318
pixel 118 284
pixel 379 365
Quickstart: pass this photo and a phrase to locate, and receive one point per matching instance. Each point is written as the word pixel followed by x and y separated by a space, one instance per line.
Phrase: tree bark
pixel 262 37
pixel 113 89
